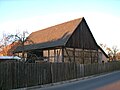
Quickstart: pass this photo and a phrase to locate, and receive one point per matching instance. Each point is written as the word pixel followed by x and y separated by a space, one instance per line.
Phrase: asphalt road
pixel 110 81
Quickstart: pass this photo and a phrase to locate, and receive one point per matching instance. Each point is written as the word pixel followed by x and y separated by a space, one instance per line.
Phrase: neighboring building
pixel 1 53
pixel 71 41
pixel 9 58
pixel 118 56
pixel 8 50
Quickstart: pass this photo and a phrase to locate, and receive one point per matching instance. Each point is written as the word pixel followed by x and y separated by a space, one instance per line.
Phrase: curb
pixel 53 84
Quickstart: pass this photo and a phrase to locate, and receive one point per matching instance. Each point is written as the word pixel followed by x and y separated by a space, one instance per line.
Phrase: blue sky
pixel 19 9
pixel 102 16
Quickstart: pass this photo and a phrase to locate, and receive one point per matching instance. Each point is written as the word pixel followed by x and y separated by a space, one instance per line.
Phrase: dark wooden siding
pixel 82 38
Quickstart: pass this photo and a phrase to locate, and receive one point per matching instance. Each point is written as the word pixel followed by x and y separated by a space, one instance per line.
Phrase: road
pixel 110 81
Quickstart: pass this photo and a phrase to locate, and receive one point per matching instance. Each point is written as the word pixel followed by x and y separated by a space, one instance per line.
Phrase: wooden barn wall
pixel 53 55
pixel 82 38
pixel 80 56
pixel 47 55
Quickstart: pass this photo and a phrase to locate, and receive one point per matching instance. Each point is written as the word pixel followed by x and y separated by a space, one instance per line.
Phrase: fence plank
pixel 18 75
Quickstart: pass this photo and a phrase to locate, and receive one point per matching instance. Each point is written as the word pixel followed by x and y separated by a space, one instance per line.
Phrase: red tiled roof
pixel 55 32
pixel 9 49
pixel 53 36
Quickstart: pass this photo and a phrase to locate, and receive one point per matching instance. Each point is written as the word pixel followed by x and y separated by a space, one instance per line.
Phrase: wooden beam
pixel 58 54
pixel 74 54
pixel 54 55
pixel 91 56
pixel 48 55
pixel 68 55
pixel 97 56
pixel 83 57
pixel 62 54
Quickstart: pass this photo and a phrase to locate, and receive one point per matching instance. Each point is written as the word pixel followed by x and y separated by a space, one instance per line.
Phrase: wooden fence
pixel 18 75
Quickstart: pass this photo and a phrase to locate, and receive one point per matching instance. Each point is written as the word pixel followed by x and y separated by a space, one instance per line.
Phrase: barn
pixel 70 41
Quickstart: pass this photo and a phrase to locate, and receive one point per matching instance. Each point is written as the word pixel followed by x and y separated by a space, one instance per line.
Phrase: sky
pixel 102 16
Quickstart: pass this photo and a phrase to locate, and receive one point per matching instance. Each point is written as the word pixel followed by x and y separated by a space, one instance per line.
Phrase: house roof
pixel 9 57
pixel 52 36
pixel 7 50
pixel 55 32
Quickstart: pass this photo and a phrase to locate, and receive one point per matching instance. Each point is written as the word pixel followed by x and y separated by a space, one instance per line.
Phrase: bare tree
pixel 112 53
pixel 109 52
pixel 21 38
pixel 4 42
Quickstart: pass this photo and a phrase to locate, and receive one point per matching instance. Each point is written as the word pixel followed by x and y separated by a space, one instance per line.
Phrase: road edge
pixel 68 81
